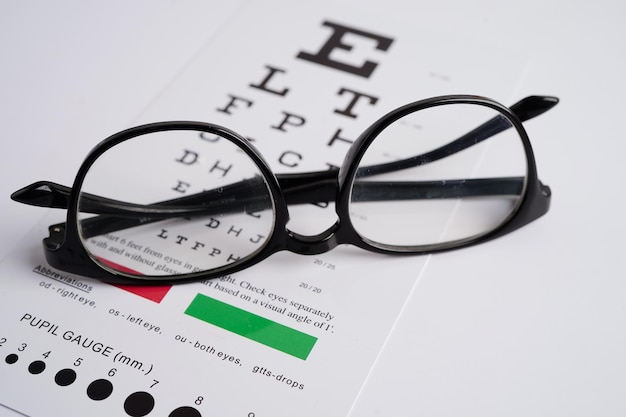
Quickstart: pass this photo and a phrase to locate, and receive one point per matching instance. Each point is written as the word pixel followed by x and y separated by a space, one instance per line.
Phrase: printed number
pixel 199 400
pixel 324 264
pixel 112 372
pixel 311 288
pixel 22 348
pixel 45 355
pixel 3 340
pixel 78 361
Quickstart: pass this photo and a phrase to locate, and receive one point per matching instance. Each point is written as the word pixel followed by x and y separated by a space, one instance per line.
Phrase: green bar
pixel 251 326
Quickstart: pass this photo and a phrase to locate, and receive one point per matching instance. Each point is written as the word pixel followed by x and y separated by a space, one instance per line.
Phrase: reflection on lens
pixel 174 202
pixel 439 176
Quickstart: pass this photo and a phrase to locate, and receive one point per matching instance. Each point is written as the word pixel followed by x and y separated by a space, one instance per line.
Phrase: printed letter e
pixel 335 42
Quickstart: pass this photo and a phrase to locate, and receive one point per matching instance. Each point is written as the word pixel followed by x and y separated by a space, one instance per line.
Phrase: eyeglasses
pixel 174 201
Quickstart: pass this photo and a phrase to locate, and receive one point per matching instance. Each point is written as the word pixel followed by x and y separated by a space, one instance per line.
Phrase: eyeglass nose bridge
pixel 312 245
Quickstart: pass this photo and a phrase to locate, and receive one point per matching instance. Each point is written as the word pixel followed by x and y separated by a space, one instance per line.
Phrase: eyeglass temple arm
pixel 43 194
pixel 115 215
pixel 524 109
pixel 303 188
pixel 533 106
pixel 232 197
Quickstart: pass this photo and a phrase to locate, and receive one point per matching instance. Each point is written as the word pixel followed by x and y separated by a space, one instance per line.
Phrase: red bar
pixel 154 293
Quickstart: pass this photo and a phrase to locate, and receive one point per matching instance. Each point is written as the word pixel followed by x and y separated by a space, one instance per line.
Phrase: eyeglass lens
pixel 179 202
pixel 456 171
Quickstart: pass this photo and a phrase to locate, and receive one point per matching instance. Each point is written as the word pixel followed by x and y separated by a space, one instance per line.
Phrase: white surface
pixel 532 324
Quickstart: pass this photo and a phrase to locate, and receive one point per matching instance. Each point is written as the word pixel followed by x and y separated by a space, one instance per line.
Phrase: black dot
pixel 36 367
pixel 185 412
pixel 65 377
pixel 11 359
pixel 99 389
pixel 138 404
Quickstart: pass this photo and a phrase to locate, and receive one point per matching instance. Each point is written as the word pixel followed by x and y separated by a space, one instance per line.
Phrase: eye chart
pixel 300 85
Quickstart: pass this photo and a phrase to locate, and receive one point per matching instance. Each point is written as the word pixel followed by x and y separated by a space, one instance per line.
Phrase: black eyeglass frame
pixel 65 251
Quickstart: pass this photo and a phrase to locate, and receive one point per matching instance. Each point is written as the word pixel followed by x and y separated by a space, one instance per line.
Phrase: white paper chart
pixel 301 89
